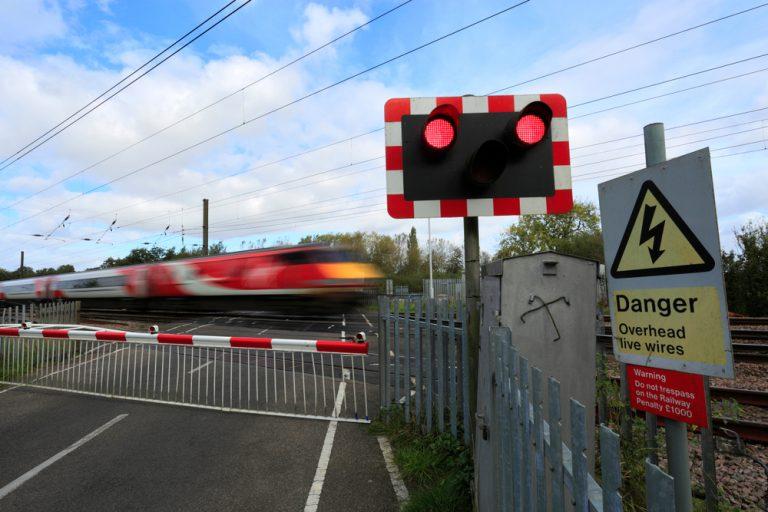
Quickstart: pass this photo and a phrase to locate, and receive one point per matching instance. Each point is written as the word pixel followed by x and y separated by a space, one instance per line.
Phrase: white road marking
pixel 313 499
pixel 178 326
pixel 331 327
pixel 9 389
pixel 265 330
pixel 401 491
pixel 367 321
pixel 196 328
pixel 9 488
pixel 199 367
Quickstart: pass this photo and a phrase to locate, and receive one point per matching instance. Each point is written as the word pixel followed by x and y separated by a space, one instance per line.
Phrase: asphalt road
pixel 161 457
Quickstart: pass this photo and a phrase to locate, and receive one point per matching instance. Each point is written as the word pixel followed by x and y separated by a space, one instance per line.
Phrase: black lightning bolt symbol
pixel 655 233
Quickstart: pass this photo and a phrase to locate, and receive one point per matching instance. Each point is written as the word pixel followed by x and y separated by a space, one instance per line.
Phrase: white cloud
pixel 30 22
pixel 321 24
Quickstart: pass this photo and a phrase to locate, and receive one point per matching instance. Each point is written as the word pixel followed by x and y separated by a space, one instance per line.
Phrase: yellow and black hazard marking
pixel 657 241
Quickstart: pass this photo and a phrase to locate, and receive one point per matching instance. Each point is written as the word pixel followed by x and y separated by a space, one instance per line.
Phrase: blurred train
pixel 305 275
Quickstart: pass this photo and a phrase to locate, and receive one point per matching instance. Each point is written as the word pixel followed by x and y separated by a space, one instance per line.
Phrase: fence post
pixel 396 341
pixel 555 446
pixel 579 458
pixel 382 354
pixel 465 375
pixel 610 469
pixel 538 427
pixel 407 366
pixel 452 377
pixel 429 361
pixel 525 422
pixel 659 488
pixel 419 358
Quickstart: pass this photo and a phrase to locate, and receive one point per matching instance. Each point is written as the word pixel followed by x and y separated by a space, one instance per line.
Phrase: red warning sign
pixel 675 395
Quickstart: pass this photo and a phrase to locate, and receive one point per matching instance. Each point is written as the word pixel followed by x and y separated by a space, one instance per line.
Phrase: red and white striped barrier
pixel 288 345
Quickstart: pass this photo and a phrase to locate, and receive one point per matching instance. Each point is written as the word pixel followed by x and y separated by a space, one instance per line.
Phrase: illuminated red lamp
pixel 439 133
pixel 441 128
pixel 530 129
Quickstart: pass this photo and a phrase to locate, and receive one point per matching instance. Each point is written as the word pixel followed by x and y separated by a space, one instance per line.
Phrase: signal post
pixel 475 156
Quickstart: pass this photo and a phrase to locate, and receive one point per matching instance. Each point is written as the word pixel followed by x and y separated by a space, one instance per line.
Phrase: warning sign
pixel 675 395
pixel 662 246
pixel 657 241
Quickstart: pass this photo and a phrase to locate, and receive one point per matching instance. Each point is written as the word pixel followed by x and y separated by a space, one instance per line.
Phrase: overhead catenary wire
pixel 130 173
pixel 212 104
pixel 671 146
pixel 157 55
pixel 630 48
pixel 690 134
pixel 677 127
pixel 121 89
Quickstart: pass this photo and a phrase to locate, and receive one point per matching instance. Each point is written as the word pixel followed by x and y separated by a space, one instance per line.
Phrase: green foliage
pixel 576 232
pixel 746 271
pixel 437 468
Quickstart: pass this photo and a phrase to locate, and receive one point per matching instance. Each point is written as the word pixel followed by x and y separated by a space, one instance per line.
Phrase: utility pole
pixel 675 432
pixel 21 266
pixel 472 284
pixel 205 227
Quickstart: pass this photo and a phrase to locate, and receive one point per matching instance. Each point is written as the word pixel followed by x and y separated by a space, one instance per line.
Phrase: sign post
pixel 668 307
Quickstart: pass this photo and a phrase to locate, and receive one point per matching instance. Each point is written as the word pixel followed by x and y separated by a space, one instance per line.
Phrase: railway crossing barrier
pixel 284 377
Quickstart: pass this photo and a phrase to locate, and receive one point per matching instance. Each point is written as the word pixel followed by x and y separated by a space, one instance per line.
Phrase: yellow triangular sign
pixel 657 241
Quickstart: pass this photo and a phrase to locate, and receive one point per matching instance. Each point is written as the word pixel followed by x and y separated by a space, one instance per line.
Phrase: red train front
pixel 249 279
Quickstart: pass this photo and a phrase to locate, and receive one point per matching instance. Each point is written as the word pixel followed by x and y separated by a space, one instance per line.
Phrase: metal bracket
pixel 545 306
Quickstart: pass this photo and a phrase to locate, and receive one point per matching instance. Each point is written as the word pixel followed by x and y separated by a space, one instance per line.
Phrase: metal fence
pixel 258 375
pixel 52 312
pixel 423 362
pixel 451 289
pixel 534 468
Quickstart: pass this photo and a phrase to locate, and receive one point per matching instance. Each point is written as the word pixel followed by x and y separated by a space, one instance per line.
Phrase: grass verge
pixel 437 468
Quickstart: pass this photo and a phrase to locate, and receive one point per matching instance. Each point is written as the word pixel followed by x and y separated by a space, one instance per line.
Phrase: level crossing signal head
pixel 477 156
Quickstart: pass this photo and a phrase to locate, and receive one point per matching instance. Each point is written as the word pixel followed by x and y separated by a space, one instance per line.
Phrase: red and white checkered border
pixel 287 345
pixel 400 208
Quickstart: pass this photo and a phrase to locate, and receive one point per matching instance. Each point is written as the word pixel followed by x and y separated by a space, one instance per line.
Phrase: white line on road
pixel 199 367
pixel 265 330
pixel 313 500
pixel 8 489
pixel 367 321
pixel 196 328
pixel 401 491
pixel 178 326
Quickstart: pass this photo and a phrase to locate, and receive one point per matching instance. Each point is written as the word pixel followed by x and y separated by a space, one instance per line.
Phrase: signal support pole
pixel 472 283
pixel 21 266
pixel 675 432
pixel 205 227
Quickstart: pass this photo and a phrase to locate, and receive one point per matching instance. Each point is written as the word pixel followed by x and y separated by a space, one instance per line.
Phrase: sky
pixel 208 124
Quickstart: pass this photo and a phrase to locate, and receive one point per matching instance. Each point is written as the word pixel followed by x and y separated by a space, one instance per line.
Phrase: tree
pixel 412 254
pixel 746 271
pixel 576 232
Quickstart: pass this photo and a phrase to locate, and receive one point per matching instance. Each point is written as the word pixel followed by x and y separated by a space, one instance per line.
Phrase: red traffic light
pixel 439 133
pixel 440 130
pixel 530 129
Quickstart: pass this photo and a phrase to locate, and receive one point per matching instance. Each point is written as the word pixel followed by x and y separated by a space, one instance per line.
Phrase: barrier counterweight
pixel 257 375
